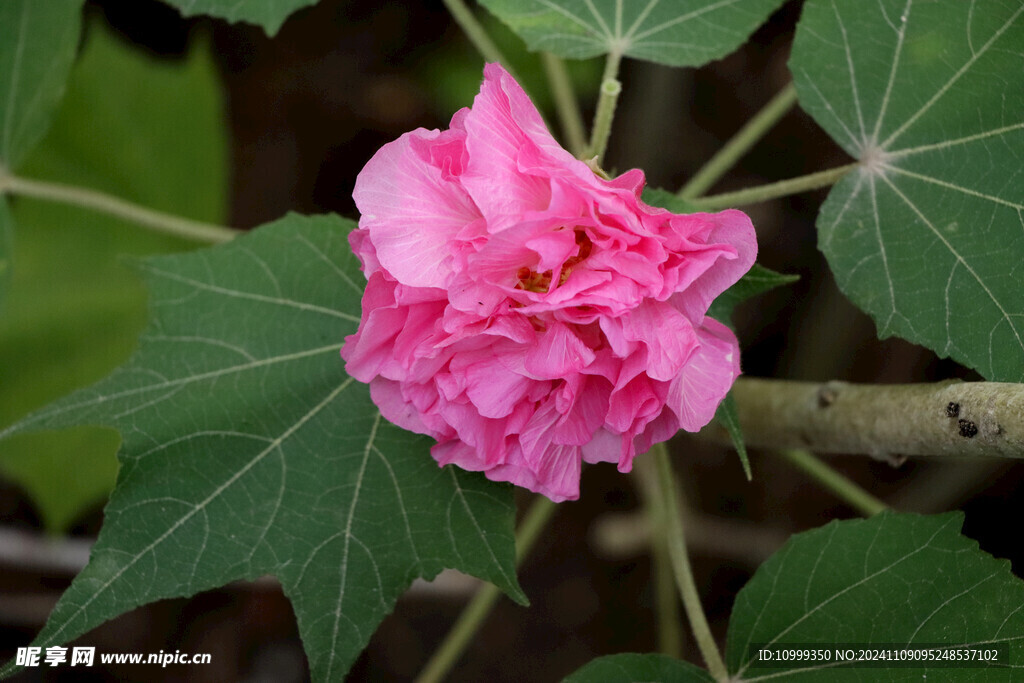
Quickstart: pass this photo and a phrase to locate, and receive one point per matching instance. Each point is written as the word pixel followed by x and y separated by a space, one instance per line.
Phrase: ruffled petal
pixel 411 211
pixel 695 394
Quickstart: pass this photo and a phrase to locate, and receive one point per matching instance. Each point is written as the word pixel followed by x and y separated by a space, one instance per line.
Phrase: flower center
pixel 533 281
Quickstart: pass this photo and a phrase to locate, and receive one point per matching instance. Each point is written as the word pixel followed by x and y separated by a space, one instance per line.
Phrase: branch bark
pixel 974 419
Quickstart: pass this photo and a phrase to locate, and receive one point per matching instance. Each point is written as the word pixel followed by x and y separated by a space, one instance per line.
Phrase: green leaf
pixel 269 14
pixel 895 579
pixel 928 235
pixel 757 280
pixel 248 451
pixel 727 416
pixel 75 309
pixel 628 668
pixel 38 41
pixel 673 32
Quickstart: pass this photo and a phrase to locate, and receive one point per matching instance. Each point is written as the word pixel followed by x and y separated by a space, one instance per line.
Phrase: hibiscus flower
pixel 528 314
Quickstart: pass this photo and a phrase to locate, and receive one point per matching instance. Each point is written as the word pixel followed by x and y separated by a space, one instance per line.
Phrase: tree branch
pixel 968 419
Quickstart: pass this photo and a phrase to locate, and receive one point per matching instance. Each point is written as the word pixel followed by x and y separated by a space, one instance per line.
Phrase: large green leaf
pixel 269 14
pixel 674 32
pixel 75 308
pixel 928 235
pixel 629 668
pixel 889 581
pixel 37 46
pixel 895 579
pixel 248 451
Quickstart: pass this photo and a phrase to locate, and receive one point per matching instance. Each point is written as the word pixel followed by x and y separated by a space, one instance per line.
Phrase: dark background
pixel 306 110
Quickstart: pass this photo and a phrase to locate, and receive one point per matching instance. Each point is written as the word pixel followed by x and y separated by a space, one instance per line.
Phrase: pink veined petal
pixel 695 394
pixel 387 396
pixel 558 353
pixel 605 446
pixel 411 212
pixel 586 414
pixel 494 389
pixel 634 405
pixel 494 139
pixel 557 476
pixel 732 228
pixel 368 350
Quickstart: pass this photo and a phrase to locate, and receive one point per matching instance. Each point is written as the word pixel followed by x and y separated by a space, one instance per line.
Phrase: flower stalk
pixel 605 112
pixel 670 636
pixel 669 494
pixel 104 203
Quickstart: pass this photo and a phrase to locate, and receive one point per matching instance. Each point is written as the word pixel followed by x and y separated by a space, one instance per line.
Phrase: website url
pixel 86 656
pixel 161 658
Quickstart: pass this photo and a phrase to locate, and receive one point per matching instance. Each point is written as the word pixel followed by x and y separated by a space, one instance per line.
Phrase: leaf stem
pixel 669 492
pixel 605 112
pixel 98 201
pixel 740 143
pixel 566 105
pixel 782 188
pixel 476 33
pixel 835 482
pixel 455 642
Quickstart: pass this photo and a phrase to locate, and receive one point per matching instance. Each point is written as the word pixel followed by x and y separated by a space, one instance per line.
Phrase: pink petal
pixel 694 395
pixel 733 230
pixel 558 353
pixel 411 212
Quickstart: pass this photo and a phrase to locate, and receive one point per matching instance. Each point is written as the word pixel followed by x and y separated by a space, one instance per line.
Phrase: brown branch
pixel 970 419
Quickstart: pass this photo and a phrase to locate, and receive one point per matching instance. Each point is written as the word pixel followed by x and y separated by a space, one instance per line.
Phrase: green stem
pixel 476 33
pixel 91 199
pixel 565 103
pixel 783 188
pixel 681 565
pixel 740 143
pixel 605 112
pixel 670 636
pixel 835 482
pixel 453 645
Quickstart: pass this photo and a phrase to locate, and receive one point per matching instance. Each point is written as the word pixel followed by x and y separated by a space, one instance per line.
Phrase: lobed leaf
pixel 893 579
pixel 269 14
pixel 889 581
pixel 927 236
pixel 247 451
pixel 75 308
pixel 673 32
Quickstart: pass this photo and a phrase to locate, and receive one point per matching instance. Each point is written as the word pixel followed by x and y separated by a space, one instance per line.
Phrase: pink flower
pixel 528 314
